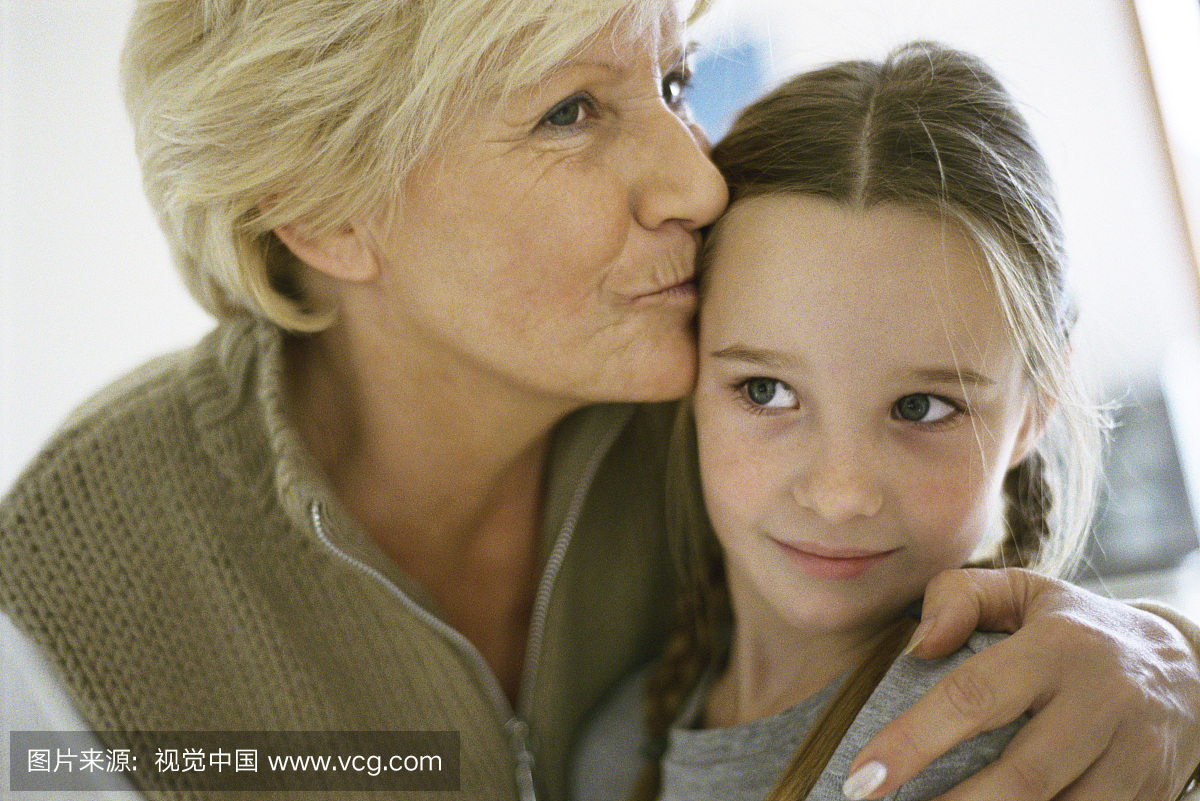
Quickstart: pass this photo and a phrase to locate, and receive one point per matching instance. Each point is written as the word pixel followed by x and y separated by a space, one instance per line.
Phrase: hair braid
pixel 703 614
pixel 1028 499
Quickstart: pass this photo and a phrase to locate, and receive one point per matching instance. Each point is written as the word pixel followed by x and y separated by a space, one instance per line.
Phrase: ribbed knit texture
pixel 161 553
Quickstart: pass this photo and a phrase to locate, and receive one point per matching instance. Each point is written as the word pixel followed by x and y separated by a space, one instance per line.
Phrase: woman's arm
pixel 1114 692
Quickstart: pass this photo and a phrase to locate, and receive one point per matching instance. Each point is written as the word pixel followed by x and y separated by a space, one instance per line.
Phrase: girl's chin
pixel 821 612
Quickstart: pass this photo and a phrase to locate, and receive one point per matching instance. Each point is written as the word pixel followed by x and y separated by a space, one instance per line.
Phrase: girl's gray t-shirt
pixel 743 763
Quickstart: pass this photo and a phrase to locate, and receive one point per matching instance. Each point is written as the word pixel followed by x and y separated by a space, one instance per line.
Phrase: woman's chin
pixel 644 365
pixel 666 373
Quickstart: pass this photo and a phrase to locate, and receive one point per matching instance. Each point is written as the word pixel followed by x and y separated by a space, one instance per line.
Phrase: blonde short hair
pixel 249 114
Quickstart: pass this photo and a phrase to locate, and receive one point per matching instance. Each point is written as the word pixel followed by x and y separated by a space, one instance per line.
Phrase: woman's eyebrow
pixel 676 52
pixel 611 67
pixel 528 100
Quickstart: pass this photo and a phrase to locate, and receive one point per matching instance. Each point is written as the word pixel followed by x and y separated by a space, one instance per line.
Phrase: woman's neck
pixel 773 665
pixel 429 450
pixel 442 468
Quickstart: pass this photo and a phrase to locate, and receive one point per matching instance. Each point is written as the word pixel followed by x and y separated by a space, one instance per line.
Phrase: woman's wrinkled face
pixel 859 403
pixel 549 243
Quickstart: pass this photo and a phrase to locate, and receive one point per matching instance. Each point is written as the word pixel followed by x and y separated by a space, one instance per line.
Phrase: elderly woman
pixel 412 479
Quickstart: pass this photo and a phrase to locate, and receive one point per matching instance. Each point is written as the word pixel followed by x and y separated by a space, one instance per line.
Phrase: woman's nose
pixel 839 484
pixel 678 181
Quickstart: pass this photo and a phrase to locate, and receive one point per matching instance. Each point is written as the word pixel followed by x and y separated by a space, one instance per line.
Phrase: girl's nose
pixel 839 485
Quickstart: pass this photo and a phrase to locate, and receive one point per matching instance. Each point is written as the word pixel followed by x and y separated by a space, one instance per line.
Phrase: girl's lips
pixel 833 563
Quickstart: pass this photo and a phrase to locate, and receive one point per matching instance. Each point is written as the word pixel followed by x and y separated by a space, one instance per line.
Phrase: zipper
pixel 516 723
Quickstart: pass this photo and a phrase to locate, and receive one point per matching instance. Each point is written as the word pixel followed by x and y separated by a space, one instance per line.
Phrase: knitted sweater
pixel 176 555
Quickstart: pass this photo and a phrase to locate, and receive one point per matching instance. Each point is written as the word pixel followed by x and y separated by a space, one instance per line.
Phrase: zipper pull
pixel 518 734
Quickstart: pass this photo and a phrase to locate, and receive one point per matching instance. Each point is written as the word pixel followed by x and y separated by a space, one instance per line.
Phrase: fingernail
pixel 864 781
pixel 918 637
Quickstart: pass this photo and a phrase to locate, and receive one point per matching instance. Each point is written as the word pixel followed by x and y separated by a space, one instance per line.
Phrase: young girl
pixel 884 390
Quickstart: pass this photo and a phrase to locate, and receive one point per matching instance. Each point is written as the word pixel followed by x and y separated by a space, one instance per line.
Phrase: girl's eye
pixel 674 84
pixel 768 393
pixel 923 408
pixel 567 113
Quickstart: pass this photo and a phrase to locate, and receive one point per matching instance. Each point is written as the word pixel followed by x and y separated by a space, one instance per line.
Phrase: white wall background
pixel 87 291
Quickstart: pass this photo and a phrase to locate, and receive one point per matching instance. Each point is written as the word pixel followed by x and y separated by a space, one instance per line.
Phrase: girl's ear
pixel 1038 409
pixel 345 254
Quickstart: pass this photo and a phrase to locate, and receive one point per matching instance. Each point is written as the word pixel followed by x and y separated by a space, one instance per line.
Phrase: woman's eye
pixel 674 84
pixel 922 408
pixel 768 393
pixel 567 113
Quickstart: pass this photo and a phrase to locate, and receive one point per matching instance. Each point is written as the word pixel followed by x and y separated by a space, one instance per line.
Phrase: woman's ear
pixel 344 254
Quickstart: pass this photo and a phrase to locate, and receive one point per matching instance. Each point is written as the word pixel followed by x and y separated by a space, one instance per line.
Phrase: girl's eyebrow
pixel 953 375
pixel 770 359
pixel 775 360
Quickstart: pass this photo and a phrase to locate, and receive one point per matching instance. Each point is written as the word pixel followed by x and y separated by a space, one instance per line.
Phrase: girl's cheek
pixel 729 471
pixel 735 468
pixel 948 509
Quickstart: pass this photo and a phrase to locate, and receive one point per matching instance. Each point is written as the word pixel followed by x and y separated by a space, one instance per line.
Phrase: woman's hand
pixel 1114 694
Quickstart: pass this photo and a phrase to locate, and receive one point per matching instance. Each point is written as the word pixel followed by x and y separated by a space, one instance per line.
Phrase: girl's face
pixel 859 402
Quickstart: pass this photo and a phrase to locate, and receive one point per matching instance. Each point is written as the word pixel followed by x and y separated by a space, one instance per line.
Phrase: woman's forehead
pixel 630 35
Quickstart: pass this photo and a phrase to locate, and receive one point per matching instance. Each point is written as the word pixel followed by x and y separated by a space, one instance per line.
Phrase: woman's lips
pixel 682 293
pixel 833 563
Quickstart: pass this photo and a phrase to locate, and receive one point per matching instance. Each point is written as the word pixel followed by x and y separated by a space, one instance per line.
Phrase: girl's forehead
pixel 812 273
pixel 807 241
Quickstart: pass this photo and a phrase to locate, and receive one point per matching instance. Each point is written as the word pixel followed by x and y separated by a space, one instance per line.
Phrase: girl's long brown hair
pixel 930 128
